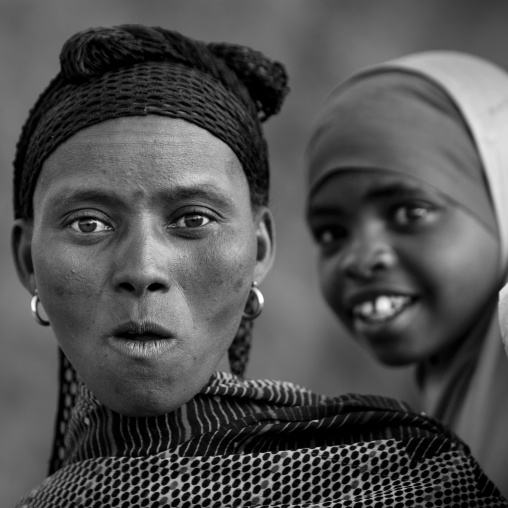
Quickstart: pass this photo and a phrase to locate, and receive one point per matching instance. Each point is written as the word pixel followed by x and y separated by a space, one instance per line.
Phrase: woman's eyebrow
pixel 206 191
pixel 98 195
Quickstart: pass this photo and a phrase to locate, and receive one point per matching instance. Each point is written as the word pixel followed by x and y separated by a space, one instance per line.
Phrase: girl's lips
pixel 387 321
pixel 354 298
pixel 381 308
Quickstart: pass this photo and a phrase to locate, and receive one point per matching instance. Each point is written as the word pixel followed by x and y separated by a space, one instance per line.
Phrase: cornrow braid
pixel 132 70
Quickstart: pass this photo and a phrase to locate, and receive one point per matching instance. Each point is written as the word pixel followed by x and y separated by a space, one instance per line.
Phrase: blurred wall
pixel 320 41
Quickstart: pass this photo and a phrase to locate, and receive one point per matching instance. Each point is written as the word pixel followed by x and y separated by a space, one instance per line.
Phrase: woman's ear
pixel 21 245
pixel 265 234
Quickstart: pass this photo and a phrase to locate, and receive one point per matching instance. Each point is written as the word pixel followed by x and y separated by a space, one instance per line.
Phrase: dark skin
pixel 405 269
pixel 143 248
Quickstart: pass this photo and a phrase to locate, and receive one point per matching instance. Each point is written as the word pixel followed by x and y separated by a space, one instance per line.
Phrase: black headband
pixel 132 70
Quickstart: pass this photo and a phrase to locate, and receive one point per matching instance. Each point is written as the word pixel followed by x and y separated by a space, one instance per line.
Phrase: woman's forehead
pixel 150 152
pixel 152 128
pixel 152 138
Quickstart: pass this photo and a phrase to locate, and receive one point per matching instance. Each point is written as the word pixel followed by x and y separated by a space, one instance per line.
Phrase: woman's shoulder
pixel 288 394
pixel 358 416
pixel 377 473
pixel 273 443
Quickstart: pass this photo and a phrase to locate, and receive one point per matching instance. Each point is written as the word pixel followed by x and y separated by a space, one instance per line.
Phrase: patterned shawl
pixel 258 443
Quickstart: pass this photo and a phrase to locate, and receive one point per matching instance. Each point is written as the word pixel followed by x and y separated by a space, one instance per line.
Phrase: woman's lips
pixel 141 331
pixel 142 340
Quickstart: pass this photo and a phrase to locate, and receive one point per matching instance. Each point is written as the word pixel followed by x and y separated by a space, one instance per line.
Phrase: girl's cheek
pixel 330 275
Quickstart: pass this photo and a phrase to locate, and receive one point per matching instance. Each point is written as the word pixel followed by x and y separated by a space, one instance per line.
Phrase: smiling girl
pixel 407 206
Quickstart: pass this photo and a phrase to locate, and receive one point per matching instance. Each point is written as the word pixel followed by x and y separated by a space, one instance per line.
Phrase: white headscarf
pixel 470 393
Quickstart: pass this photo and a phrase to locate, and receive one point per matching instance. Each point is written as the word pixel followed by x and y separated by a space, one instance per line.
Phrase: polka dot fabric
pixel 247 443
pixel 376 474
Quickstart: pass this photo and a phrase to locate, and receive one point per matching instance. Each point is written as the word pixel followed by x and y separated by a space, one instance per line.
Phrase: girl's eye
pixel 330 235
pixel 89 225
pixel 411 214
pixel 192 220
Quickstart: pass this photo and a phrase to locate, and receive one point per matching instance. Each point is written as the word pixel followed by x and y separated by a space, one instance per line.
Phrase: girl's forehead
pixel 371 184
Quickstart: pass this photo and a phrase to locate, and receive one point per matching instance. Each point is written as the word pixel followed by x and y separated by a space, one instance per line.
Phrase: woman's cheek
pixel 226 272
pixel 66 282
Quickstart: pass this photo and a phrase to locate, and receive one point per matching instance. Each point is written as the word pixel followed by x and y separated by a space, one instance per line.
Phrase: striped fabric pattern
pixel 233 416
pixel 260 444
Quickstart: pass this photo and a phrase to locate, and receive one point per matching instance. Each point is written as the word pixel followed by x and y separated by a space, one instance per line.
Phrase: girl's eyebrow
pixel 316 211
pixel 395 189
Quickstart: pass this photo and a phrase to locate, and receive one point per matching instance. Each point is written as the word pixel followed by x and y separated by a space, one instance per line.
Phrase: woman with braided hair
pixel 142 230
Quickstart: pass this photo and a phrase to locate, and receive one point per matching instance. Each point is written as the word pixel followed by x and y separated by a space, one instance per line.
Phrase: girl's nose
pixel 142 264
pixel 369 255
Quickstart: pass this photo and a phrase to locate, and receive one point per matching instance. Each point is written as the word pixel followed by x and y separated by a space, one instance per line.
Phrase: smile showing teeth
pixel 382 308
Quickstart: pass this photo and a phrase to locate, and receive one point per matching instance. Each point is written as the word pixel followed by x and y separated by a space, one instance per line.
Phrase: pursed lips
pixel 141 331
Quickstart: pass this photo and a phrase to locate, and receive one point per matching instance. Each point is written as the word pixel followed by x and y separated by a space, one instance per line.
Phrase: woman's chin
pixel 145 399
pixel 147 407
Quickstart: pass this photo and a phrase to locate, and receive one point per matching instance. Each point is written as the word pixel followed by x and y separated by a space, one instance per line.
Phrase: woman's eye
pixel 89 225
pixel 192 220
pixel 410 214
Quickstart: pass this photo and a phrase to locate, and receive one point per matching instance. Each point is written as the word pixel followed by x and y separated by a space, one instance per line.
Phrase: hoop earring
pixel 34 306
pixel 254 308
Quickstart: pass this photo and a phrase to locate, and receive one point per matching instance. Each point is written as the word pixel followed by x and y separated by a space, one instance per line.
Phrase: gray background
pixel 320 42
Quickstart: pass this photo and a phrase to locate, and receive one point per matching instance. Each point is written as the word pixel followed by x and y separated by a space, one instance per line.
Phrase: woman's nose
pixel 142 264
pixel 368 255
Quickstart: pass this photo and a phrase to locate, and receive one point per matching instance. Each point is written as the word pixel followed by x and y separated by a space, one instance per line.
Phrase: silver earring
pixel 255 303
pixel 34 305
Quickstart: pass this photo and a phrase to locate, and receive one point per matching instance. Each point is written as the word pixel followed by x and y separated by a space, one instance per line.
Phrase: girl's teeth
pixel 366 308
pixel 383 305
pixel 381 308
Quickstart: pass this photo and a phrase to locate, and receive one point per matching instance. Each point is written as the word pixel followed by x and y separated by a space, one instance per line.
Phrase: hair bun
pixel 266 80
pixel 96 50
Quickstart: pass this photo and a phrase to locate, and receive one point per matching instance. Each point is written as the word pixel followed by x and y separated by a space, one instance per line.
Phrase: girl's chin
pixel 394 358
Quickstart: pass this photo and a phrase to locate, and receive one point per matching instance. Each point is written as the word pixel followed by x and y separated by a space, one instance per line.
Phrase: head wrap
pixel 132 70
pixel 396 120
pixel 468 390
